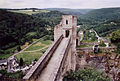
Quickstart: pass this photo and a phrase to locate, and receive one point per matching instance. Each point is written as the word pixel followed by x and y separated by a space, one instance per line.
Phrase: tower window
pixel 66 21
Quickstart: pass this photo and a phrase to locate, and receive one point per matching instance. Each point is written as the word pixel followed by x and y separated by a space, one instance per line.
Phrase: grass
pixel 5 56
pixel 47 42
pixel 29 12
pixel 82 46
pixel 29 57
pixel 88 41
pixel 30 54
pixel 31 48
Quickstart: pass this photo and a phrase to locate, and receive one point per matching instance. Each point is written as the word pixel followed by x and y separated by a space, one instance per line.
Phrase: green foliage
pixel 103 21
pixel 28 11
pixel 16 75
pixel 21 62
pixel 115 39
pixel 89 37
pixel 117 49
pixel 19 48
pixel 47 37
pixel 52 18
pixel 103 14
pixel 3 72
pixel 87 74
pixel 102 44
pixel 17 28
pixel 70 11
pixel 35 51
pixel 81 46
pixel 115 36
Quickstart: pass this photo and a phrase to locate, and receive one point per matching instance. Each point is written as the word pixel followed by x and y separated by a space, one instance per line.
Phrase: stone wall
pixel 68 23
pixel 65 63
pixel 90 49
pixel 42 62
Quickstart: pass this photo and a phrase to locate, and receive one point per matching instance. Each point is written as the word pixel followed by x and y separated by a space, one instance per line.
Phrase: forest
pixel 104 20
pixel 18 28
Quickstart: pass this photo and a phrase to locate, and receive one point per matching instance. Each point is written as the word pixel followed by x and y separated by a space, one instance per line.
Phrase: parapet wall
pixel 64 57
pixel 42 62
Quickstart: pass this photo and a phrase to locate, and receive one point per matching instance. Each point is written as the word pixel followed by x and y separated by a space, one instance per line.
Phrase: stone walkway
pixel 49 73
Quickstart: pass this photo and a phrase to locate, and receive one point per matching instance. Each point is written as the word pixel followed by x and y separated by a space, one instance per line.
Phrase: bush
pixel 17 75
pixel 102 43
pixel 87 74
pixel 19 48
pixel 3 72
pixel 7 52
pixel 115 36
pixel 1 51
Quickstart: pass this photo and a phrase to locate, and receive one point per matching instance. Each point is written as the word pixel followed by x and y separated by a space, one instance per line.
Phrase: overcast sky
pixel 75 4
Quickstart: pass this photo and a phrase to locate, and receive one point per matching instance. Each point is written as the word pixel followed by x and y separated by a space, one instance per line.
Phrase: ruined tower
pixel 67 27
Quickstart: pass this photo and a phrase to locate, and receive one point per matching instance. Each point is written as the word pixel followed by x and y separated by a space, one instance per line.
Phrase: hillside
pixel 104 20
pixel 52 17
pixel 28 11
pixel 70 11
pixel 106 28
pixel 17 28
pixel 103 14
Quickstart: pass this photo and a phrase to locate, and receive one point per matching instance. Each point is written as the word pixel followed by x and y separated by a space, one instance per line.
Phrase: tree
pixel 102 43
pixel 115 36
pixel 21 62
pixel 87 74
pixel 19 48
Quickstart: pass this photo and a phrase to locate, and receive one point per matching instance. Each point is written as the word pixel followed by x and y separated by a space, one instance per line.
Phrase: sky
pixel 74 4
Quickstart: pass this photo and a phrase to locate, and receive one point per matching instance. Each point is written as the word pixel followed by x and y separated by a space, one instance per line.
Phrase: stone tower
pixel 67 27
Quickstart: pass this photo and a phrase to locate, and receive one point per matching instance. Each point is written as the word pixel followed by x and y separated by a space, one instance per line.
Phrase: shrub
pixel 87 74
pixel 102 43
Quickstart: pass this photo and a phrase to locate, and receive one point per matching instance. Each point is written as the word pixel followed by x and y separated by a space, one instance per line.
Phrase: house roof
pixel 3 61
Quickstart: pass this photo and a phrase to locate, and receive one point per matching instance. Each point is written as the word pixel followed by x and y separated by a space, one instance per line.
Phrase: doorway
pixel 76 42
pixel 67 32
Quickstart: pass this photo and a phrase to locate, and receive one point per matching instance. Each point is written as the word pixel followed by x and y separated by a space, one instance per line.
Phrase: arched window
pixel 66 21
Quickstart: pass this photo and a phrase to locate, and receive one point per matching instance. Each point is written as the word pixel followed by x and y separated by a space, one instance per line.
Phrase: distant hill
pixel 28 11
pixel 70 11
pixel 104 20
pixel 52 17
pixel 78 12
pixel 103 14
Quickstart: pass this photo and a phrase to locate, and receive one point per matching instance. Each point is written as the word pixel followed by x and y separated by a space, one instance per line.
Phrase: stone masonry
pixel 67 27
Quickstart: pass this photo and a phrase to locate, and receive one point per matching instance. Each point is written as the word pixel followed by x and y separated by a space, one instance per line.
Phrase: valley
pixel 99 31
